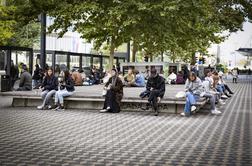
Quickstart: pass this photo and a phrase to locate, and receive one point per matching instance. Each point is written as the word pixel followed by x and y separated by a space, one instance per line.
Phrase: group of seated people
pixel 176 78
pixel 213 87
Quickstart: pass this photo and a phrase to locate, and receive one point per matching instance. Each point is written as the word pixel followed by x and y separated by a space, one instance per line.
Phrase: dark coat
pixel 50 83
pixel 25 81
pixel 36 74
pixel 69 84
pixel 157 83
pixel 115 94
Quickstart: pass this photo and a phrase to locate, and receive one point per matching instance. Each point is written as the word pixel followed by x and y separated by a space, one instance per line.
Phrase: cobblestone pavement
pixel 74 137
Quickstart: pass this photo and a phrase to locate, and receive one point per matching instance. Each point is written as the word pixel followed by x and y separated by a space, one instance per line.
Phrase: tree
pixel 180 27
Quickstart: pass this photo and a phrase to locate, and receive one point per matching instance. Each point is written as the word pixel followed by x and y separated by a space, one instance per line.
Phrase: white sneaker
pixel 40 107
pixel 103 111
pixel 224 97
pixel 221 102
pixel 193 108
pixel 215 112
pixel 182 114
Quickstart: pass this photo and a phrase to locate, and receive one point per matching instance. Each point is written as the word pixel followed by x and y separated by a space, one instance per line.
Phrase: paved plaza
pixel 82 137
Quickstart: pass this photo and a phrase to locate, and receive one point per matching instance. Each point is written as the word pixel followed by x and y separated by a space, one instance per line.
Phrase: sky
pixel 234 42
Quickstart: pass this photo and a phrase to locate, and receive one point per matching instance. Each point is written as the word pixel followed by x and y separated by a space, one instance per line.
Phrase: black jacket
pixel 50 83
pixel 69 84
pixel 157 83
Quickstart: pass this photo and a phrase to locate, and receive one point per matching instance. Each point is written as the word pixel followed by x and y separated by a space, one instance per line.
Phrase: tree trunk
pixel 134 51
pixel 162 57
pixel 151 58
pixel 112 54
pixel 193 60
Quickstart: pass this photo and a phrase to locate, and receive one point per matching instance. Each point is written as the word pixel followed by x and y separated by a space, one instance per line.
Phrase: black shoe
pixel 60 108
pixel 156 112
pixel 231 93
pixel 53 107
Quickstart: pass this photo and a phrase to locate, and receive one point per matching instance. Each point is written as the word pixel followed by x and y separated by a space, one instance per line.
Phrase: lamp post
pixel 43 40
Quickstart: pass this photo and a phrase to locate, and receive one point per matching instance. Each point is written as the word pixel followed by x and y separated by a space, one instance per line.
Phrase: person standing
pixel 235 75
pixel 155 89
pixel 49 88
pixel 114 94
pixel 14 73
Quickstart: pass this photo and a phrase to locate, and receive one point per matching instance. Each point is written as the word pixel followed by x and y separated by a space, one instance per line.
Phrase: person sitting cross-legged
pixel 155 89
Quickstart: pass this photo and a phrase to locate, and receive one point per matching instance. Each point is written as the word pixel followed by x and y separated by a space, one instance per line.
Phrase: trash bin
pixel 5 83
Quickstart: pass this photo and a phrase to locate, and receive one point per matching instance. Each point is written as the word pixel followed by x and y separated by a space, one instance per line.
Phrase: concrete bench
pixel 87 102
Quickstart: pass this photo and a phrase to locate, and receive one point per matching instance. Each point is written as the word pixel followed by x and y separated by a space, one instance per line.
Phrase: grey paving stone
pixel 73 137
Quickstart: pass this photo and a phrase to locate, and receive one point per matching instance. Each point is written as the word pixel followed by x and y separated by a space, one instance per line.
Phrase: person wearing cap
pixel 114 94
pixel 156 90
pixel 25 80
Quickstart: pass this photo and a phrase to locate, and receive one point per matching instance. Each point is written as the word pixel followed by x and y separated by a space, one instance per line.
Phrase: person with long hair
pixel 66 89
pixel 114 93
pixel 49 88
pixel 195 90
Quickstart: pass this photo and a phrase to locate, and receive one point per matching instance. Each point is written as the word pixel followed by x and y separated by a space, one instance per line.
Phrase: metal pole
pixel 43 41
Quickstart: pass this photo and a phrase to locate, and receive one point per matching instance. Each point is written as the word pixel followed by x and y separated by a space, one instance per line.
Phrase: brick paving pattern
pixel 75 137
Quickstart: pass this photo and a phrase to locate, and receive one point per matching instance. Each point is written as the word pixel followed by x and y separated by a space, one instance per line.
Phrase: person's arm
pixel 118 86
pixel 70 83
pixel 162 89
pixel 22 79
pixel 109 82
pixel 148 85
pixel 187 85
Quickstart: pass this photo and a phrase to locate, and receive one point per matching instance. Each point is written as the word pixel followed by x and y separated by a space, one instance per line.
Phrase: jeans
pixel 212 100
pixel 220 89
pixel 190 100
pixel 60 94
pixel 46 96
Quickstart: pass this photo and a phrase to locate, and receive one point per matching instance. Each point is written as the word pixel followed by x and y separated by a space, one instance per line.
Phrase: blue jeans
pixel 220 88
pixel 60 94
pixel 46 96
pixel 190 100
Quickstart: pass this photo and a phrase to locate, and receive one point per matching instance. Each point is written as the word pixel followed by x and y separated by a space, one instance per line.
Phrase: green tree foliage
pixel 155 26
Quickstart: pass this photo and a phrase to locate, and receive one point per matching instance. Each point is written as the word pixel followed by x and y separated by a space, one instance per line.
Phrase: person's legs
pixel 190 100
pixel 48 97
pixel 212 100
pixel 153 100
pixel 63 94
pixel 219 89
pixel 228 89
pixel 56 97
pixel 43 95
pixel 107 103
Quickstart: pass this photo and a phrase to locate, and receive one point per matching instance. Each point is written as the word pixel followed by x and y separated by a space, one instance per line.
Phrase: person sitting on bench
pixel 114 94
pixel 66 90
pixel 155 90
pixel 129 78
pixel 49 88
pixel 25 80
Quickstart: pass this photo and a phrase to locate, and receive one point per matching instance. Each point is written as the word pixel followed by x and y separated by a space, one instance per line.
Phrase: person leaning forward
pixel 155 90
